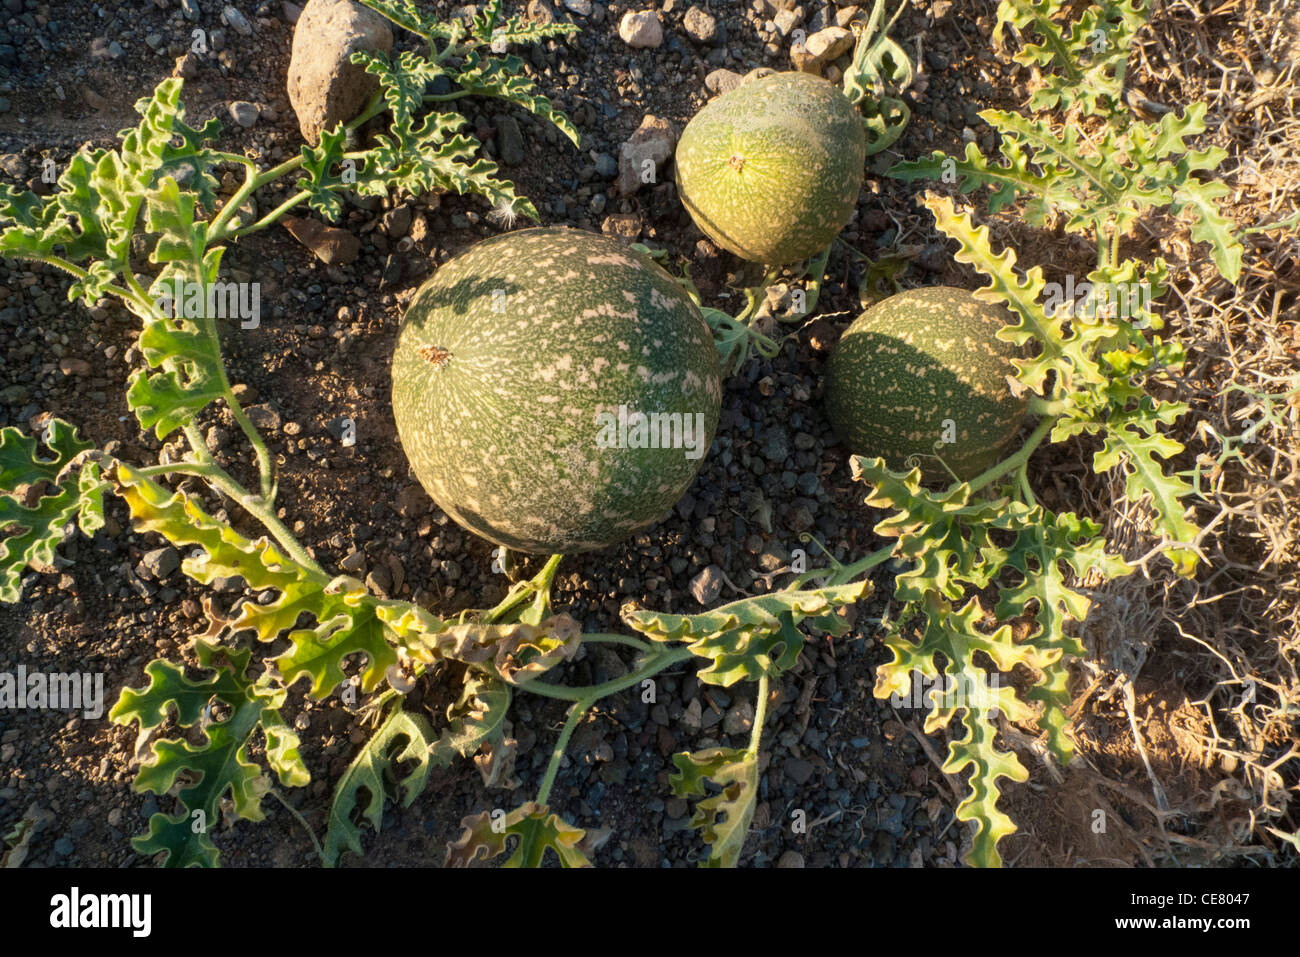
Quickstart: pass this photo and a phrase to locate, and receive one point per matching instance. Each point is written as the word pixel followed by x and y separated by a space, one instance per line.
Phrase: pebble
pixel 263 417
pixel 190 9
pixel 243 113
pixel 510 142
pixel 722 81
pixel 161 562
pixel 700 26
pixel 785 21
pixel 237 21
pixel 790 859
pixel 707 585
pixel 798 770
pixel 641 29
pixel 606 165
pixel 581 7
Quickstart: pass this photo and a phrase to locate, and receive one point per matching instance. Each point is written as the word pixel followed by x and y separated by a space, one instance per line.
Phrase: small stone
pixel 74 367
pixel 540 12
pixel 91 96
pixel 291 12
pixel 623 225
pixel 115 50
pixel 380 582
pixel 581 7
pixel 263 417
pixel 510 142
pixel 700 26
pixel 798 770
pixel 412 502
pixel 644 152
pixel 397 221
pixel 820 49
pixel 785 21
pixel 739 719
pixel 707 585
pixel 187 66
pixel 236 21
pixel 331 245
pixel 606 165
pixel 161 562
pixel 790 859
pixel 64 847
pixel 846 15
pixel 190 9
pixel 722 81
pixel 354 562
pixel 243 113
pixel 675 807
pixel 641 29
pixel 693 716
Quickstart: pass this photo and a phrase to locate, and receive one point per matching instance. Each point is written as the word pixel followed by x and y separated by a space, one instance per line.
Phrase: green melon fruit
pixel 923 373
pixel 519 376
pixel 772 170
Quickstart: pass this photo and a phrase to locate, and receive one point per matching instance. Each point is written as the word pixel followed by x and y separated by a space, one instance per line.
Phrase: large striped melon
pixel 923 374
pixel 520 371
pixel 772 170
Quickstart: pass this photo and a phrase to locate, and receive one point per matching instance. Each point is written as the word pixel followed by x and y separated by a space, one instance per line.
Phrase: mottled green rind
pixel 503 434
pixel 798 148
pixel 912 361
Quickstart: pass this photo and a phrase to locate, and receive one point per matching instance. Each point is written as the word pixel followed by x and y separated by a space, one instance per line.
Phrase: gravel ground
pixel 870 793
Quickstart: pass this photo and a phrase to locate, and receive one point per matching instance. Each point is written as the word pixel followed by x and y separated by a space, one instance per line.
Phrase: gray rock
pixel 64 847
pixel 820 49
pixel 644 152
pixel 243 113
pixel 397 221
pixel 790 859
pixel 785 21
pixel 263 417
pixel 236 21
pixel 581 7
pixel 707 585
pixel 190 9
pixel 380 582
pixel 332 246
pixel 722 81
pixel 641 29
pixel 700 26
pixel 606 165
pixel 161 562
pixel 325 88
pixel 510 143
pixel 798 770
pixel 739 719
pixel 187 66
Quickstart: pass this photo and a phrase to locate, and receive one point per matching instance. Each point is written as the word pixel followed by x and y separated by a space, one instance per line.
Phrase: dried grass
pixel 1229 642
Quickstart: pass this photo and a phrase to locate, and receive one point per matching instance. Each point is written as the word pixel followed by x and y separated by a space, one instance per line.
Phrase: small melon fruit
pixel 772 170
pixel 923 373
pixel 513 363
